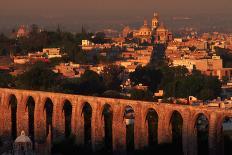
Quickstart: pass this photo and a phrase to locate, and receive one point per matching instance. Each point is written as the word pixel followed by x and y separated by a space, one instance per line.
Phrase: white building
pixel 52 52
pixel 87 43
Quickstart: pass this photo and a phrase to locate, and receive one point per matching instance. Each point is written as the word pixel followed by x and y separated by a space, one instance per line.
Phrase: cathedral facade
pixel 156 33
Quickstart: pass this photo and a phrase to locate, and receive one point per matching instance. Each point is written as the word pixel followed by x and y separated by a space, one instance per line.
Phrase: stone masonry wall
pixel 164 111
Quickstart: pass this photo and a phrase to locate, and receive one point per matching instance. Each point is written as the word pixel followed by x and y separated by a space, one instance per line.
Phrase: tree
pixel 111 77
pixel 172 80
pixel 34 29
pixel 99 38
pixel 4 45
pixel 70 86
pixel 81 57
pixel 56 61
pixel 206 94
pixel 91 83
pixel 213 87
pixel 112 94
pixel 147 76
pixel 179 83
pixel 38 77
pixel 6 80
pixel 141 95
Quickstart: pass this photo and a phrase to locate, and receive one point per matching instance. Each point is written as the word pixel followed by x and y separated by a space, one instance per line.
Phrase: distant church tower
pixel 155 22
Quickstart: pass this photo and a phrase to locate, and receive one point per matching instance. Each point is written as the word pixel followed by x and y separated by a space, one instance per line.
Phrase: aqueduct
pixel 86 117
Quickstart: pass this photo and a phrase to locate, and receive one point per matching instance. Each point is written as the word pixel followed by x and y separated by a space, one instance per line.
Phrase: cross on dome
pixel 156 14
pixel 145 22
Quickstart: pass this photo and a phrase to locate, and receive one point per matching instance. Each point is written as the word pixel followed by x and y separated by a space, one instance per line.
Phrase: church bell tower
pixel 155 21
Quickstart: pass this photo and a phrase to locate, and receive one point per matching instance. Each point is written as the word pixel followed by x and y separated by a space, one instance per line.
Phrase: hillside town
pixel 138 90
pixel 130 49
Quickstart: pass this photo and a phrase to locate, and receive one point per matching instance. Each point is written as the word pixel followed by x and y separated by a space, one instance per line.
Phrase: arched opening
pixel 107 113
pixel 67 109
pixel 87 112
pixel 129 117
pixel 13 108
pixel 227 135
pixel 48 107
pixel 176 126
pixel 152 124
pixel 31 111
pixel 202 130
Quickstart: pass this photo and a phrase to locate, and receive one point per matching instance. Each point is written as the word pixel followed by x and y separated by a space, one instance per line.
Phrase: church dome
pixel 145 26
pixel 161 28
pixel 23 138
pixel 145 30
pixel 22 31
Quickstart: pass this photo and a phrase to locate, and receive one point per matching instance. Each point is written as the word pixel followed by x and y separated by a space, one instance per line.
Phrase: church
pixel 156 33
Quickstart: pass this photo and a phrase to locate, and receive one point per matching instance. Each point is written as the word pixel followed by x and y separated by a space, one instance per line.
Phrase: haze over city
pixel 71 14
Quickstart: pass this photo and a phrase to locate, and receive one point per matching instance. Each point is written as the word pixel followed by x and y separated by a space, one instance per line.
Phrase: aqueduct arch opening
pixel 87 114
pixel 176 128
pixel 13 112
pixel 129 116
pixel 30 108
pixel 107 116
pixel 48 110
pixel 152 127
pixel 202 134
pixel 226 135
pixel 67 110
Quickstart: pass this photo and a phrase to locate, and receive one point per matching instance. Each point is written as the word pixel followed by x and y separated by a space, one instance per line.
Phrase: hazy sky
pixel 88 10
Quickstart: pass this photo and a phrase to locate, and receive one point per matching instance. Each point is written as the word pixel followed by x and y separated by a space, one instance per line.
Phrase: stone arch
pixel 87 124
pixel 196 116
pixel 176 130
pixel 152 119
pixel 225 135
pixel 30 109
pixel 48 114
pixel 129 117
pixel 12 106
pixel 67 113
pixel 107 118
pixel 201 130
